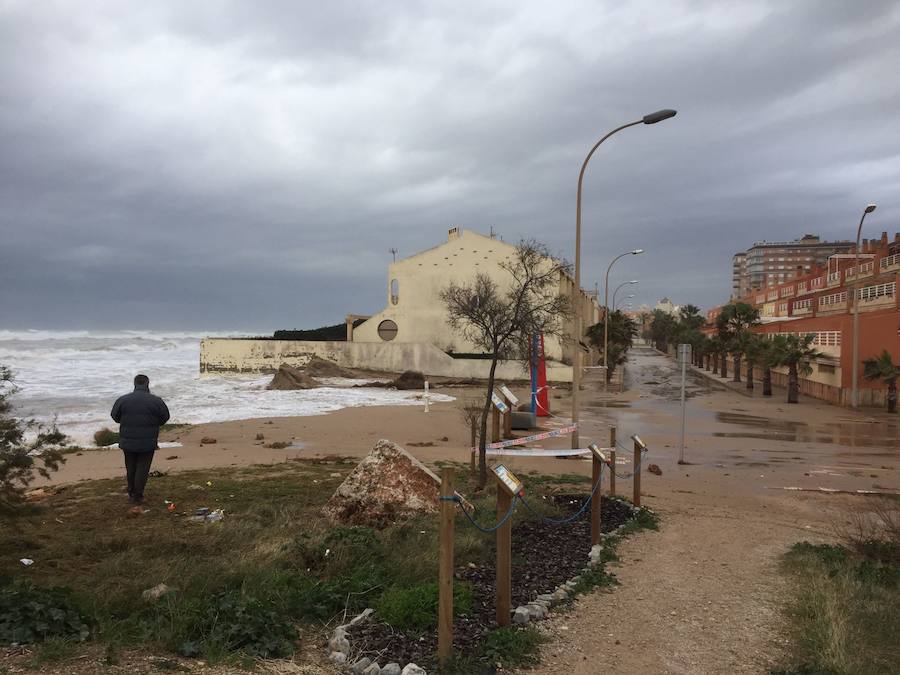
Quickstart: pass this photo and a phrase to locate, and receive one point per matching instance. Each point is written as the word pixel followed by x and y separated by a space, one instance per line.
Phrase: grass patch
pixel 843 608
pixel 504 648
pixel 416 607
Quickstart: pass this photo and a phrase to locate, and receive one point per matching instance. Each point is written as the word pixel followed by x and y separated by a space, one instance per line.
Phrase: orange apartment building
pixel 821 302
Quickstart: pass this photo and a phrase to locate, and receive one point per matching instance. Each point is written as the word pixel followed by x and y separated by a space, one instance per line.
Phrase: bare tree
pixel 502 321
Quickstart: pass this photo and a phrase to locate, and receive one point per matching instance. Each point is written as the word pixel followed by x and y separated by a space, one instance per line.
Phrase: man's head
pixel 141 381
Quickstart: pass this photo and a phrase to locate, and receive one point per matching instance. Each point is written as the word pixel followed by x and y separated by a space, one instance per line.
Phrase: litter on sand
pixel 204 515
pixel 28 562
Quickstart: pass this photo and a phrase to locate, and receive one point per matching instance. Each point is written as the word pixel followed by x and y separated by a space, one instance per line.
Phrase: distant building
pixel 667 306
pixel 769 263
pixel 820 302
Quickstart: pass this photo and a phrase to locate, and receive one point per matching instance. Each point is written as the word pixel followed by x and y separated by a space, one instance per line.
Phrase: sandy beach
pixel 702 595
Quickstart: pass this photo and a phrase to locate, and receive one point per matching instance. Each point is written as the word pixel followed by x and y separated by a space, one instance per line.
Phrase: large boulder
pixel 388 485
pixel 410 379
pixel 319 367
pixel 289 377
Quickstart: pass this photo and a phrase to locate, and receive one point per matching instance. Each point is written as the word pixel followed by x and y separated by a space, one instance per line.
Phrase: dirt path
pixel 699 596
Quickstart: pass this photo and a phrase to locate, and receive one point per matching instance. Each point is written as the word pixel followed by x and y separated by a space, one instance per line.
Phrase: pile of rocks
pixel 289 378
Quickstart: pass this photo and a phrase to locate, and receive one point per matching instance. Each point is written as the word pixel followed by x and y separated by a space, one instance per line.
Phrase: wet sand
pixel 732 442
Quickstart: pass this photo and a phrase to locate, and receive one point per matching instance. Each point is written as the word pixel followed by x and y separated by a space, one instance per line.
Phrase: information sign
pixel 498 403
pixel 508 480
pixel 509 395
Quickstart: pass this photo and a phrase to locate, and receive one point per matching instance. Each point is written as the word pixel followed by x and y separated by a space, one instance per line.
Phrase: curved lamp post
pixel 616 306
pixel 624 283
pixel 854 391
pixel 652 118
pixel 636 251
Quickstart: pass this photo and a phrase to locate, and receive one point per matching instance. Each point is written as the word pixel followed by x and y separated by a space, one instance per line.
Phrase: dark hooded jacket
pixel 140 414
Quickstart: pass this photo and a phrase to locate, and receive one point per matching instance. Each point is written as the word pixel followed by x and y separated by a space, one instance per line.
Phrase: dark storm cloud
pixel 234 165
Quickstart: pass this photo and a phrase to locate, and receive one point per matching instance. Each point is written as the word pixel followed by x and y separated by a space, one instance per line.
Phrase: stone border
pixel 339 652
pixel 539 608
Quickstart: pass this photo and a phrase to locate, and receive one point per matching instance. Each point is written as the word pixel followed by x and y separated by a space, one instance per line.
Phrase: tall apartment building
pixel 820 302
pixel 769 263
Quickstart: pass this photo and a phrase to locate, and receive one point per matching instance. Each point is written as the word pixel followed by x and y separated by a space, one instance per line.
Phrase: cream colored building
pixel 412 331
pixel 415 313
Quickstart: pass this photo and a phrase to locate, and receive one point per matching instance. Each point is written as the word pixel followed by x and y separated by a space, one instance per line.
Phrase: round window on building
pixel 387 330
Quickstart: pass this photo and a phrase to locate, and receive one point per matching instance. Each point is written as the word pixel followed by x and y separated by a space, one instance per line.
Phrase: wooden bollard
pixel 612 462
pixel 507 418
pixel 596 500
pixel 504 559
pixel 638 446
pixel 445 574
pixel 495 424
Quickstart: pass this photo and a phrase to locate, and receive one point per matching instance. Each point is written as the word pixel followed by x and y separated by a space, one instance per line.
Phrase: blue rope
pixel 486 530
pixel 577 514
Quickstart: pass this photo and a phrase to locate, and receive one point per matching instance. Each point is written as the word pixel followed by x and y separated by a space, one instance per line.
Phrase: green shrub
pixel 105 437
pixel 30 614
pixel 416 607
pixel 232 622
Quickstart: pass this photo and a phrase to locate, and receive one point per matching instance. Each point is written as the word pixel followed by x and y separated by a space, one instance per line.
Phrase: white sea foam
pixel 75 376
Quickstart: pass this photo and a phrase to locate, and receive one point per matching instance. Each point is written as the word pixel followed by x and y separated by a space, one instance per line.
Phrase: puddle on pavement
pixel 836 433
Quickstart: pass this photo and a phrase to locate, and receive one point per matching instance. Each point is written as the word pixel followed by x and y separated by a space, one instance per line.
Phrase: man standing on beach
pixel 140 414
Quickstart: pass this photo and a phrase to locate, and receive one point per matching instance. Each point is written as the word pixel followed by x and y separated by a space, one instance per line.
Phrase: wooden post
pixel 612 462
pixel 504 559
pixel 495 424
pixel 637 474
pixel 596 500
pixel 507 418
pixel 445 575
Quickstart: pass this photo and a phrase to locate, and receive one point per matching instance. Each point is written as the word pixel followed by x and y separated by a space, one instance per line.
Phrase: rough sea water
pixel 75 376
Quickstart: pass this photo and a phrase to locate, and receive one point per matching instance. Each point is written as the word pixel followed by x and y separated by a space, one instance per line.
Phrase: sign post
pixel 599 459
pixel 638 448
pixel 684 355
pixel 508 486
pixel 612 462
pixel 511 402
pixel 445 574
pixel 499 406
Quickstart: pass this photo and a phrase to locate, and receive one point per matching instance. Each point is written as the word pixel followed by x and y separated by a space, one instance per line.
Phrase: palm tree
pixel 795 353
pixel 733 322
pixel 767 358
pixel 883 368
pixel 753 345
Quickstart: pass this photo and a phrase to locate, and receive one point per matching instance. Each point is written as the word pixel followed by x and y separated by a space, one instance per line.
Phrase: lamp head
pixel 659 116
pixel 637 251
pixel 870 208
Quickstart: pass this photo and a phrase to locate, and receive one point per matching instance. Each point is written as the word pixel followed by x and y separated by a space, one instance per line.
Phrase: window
pixel 395 291
pixel 387 330
pixel 826 368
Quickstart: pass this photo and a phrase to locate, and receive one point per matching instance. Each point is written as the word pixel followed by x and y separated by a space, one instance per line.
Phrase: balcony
pixel 865 270
pixel 817 284
pixel 835 303
pixel 801 311
pixel 889 264
pixel 879 296
pixel 834 279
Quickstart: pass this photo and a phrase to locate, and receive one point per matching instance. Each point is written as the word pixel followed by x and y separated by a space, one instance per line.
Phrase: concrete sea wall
pixel 231 355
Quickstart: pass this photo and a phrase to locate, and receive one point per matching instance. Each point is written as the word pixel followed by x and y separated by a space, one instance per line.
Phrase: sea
pixel 73 378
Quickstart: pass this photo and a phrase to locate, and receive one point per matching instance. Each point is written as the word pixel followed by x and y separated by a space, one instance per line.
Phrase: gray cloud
pixel 228 165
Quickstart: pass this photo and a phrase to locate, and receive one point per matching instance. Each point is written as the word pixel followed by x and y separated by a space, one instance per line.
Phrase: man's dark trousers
pixel 137 467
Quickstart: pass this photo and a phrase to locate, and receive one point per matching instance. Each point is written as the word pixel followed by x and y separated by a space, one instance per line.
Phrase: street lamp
pixel 616 306
pixel 854 391
pixel 624 283
pixel 652 118
pixel 636 251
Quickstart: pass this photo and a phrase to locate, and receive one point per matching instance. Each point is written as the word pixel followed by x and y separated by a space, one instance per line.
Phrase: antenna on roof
pixel 393 253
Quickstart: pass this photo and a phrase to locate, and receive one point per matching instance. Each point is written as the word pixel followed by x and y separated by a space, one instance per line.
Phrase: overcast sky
pixel 240 165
